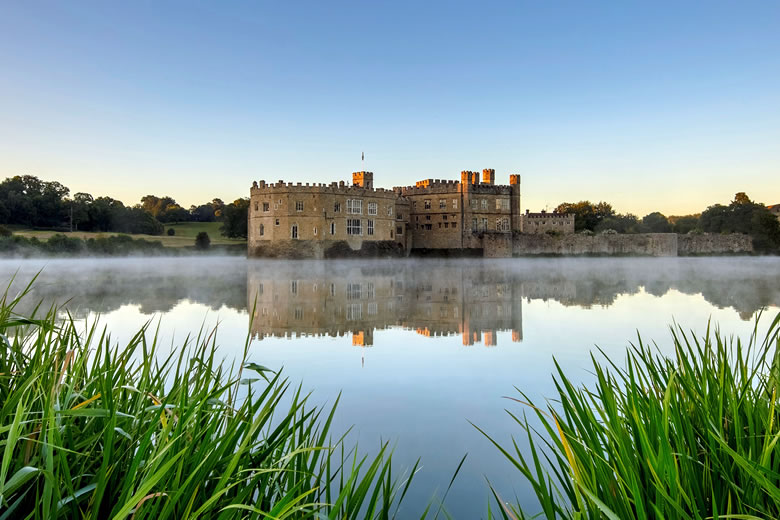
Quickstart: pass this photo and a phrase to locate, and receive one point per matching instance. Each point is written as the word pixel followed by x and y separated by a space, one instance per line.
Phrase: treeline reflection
pixel 473 298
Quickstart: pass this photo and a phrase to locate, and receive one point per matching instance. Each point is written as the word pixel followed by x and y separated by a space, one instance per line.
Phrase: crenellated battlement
pixel 341 187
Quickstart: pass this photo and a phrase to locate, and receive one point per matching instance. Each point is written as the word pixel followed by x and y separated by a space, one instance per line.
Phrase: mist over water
pixel 417 347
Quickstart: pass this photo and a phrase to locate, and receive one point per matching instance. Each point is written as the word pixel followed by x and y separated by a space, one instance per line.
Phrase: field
pixel 185 234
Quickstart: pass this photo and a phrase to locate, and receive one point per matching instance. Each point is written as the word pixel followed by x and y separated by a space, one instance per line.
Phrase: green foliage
pixel 620 223
pixel 586 214
pixel 744 216
pixel 62 245
pixel 171 232
pixel 92 430
pixel 234 219
pixel 202 241
pixel 684 224
pixel 695 437
pixel 656 222
pixel 5 232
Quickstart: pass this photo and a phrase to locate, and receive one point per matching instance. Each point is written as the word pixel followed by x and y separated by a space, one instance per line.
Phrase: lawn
pixel 184 237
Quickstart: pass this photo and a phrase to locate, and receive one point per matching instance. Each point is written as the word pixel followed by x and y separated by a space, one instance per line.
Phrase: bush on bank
pixel 112 245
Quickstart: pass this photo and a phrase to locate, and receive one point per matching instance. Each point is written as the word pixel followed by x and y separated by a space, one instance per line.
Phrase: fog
pixel 745 284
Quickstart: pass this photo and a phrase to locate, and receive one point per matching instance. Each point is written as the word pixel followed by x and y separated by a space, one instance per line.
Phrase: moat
pixel 418 348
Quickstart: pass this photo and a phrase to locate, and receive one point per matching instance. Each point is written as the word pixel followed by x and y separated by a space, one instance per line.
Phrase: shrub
pixel 202 241
pixel 5 232
pixel 171 232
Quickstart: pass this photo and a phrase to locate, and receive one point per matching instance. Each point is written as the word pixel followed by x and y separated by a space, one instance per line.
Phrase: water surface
pixel 417 348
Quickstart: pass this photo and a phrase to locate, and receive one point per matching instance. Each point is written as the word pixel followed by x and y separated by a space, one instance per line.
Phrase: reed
pixel 691 437
pixel 92 430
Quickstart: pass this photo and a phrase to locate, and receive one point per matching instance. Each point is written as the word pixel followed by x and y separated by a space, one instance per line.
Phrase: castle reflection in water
pixel 357 300
pixel 475 300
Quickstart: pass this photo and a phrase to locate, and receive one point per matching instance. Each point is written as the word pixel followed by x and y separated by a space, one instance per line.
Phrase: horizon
pixel 668 108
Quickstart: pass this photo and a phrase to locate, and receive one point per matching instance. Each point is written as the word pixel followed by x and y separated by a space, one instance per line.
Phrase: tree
pixel 202 241
pixel 586 214
pixel 627 223
pixel 656 222
pixel 234 219
pixel 744 216
pixel 684 224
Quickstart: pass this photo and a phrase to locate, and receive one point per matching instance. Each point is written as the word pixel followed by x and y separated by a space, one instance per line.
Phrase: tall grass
pixel 691 437
pixel 92 430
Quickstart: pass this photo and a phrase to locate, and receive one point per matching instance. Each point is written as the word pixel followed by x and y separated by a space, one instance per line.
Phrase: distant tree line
pixel 742 215
pixel 26 200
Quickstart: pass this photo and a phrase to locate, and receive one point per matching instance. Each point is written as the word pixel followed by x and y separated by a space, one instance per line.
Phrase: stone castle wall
pixel 712 244
pixel 496 245
pixel 644 244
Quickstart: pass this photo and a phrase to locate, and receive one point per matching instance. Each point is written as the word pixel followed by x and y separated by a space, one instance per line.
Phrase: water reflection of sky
pixel 419 348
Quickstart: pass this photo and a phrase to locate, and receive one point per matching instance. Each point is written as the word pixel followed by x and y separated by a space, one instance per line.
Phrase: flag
pixel 362 156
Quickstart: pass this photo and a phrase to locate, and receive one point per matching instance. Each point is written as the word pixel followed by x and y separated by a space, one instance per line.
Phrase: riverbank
pixel 62 245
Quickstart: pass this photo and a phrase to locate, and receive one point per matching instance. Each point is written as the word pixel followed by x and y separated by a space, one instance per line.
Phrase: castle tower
pixel 488 176
pixel 517 217
pixel 363 179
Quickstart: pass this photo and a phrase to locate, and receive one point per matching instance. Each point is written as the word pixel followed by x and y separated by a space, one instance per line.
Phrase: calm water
pixel 419 348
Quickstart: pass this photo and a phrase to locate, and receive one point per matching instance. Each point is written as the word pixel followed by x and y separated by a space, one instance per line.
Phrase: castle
pixel 468 217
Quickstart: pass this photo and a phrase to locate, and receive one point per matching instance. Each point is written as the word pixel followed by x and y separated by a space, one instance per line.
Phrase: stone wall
pixel 713 244
pixel 645 244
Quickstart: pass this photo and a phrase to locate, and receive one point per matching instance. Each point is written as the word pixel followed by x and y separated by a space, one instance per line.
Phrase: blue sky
pixel 655 106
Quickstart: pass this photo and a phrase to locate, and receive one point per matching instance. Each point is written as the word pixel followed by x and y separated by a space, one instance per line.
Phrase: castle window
pixel 337 207
pixel 442 204
pixel 315 231
pixel 474 224
pixel 294 231
pixel 399 216
pixel 298 313
pixel 474 204
pixel 399 230
pixel 439 225
pixel 276 222
pixel 444 217
pixel 354 227
pixel 372 208
pixel 262 230
pixel 298 205
pixel 427 217
pixel 372 309
pixel 484 203
pixel 266 206
pixel 332 228
pixel 428 227
pixel 354 311
pixel 484 224
pixel 454 203
pixel 389 211
pixel 294 286
pixel 427 203
pixel 414 205
pixel 505 204
pixel 255 206
pixel 370 227
pixel 354 291
pixel 355 206
pixel 502 224
pixel 446 225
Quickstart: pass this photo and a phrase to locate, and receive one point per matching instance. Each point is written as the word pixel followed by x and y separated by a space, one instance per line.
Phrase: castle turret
pixel 517 217
pixel 488 176
pixel 363 179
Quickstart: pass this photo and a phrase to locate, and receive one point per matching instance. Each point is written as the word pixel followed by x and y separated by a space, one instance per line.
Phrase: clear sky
pixel 654 106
